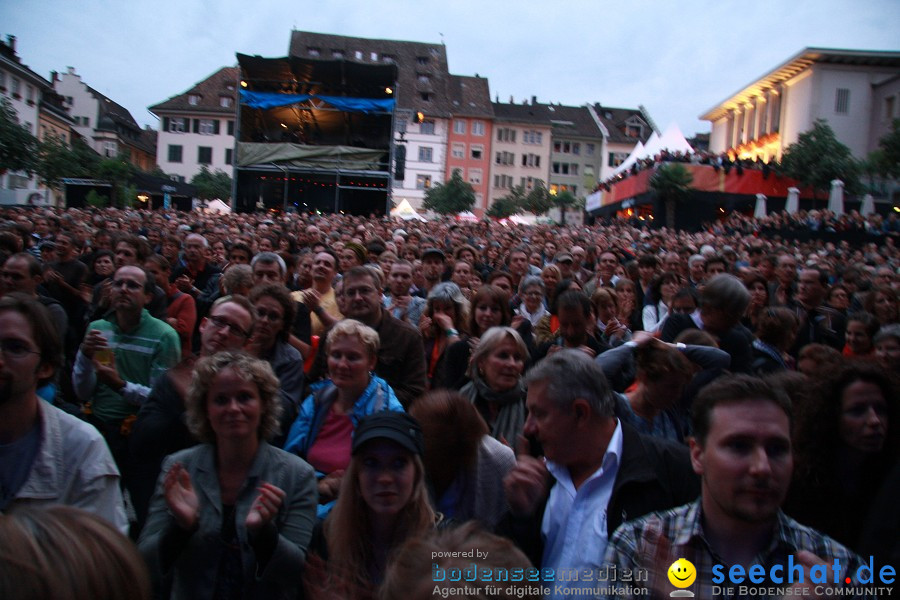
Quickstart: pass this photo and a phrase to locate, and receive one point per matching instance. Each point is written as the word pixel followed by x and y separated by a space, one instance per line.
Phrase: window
pixel 573 169
pixel 576 148
pixel 373 56
pixel 505 134
pixel 229 154
pixel 477 127
pixel 888 107
pixel 477 151
pixel 532 137
pixel 505 158
pixel 337 54
pixel 226 101
pixel 555 168
pixel 557 146
pixel 503 181
pixel 425 96
pixel 29 94
pixel 110 149
pixel 426 154
pixel 617 158
pixel 423 78
pixel 204 155
pixel 207 126
pixel 842 101
pixel 589 149
pixel 421 60
pixel 458 150
pixel 388 58
pixel 427 127
pixel 174 154
pixel 3 82
pixel 531 160
pixel 86 121
pixel 358 54
pixel 230 127
pixel 177 125
pixel 423 182
pixel 459 126
pixel 313 51
pixel 475 176
pixel 16 87
pixel 193 99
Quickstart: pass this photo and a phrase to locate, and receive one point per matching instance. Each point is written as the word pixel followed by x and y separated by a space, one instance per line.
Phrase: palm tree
pixel 672 182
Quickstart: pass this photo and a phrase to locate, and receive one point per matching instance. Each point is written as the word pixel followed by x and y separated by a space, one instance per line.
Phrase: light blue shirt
pixel 574 527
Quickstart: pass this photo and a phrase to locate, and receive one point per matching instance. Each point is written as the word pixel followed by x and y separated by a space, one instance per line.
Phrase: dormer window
pixel 193 99
pixel 339 54
pixel 313 51
pixel 358 54
pixel 229 87
pixel 421 60
pixel 388 58
pixel 226 101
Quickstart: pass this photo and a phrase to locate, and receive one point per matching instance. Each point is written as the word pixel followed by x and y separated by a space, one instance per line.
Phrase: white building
pixel 23 88
pixel 197 126
pixel 855 91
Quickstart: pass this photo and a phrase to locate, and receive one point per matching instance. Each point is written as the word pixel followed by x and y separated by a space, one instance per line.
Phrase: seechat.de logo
pixel 682 575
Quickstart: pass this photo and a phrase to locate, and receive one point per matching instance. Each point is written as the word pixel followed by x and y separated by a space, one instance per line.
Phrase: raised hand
pixel 265 507
pixel 526 483
pixel 181 497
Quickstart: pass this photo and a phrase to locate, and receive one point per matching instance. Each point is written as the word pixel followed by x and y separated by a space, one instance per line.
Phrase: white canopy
pixel 632 158
pixel 672 140
pixel 836 197
pixel 405 211
pixel 793 201
pixel 217 206
pixel 759 211
pixel 466 216
pixel 868 205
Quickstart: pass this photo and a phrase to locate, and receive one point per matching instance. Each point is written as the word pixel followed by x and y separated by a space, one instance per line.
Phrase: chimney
pixel 54 76
pixel 533 100
pixel 11 42
pixel 70 70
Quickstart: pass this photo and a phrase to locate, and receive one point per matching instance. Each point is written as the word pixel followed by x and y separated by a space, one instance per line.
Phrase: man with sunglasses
pixel 121 357
pixel 46 455
pixel 160 427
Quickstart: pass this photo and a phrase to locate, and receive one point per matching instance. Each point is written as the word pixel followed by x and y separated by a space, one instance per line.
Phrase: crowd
pixel 330 406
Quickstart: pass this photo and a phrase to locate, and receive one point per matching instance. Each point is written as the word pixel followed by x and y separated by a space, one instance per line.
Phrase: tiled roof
pixel 573 120
pixel 614 119
pixel 208 92
pixel 535 114
pixel 470 96
pixel 423 71
pixel 112 113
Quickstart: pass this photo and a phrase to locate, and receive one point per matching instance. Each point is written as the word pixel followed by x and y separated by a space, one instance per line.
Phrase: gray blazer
pixel 188 561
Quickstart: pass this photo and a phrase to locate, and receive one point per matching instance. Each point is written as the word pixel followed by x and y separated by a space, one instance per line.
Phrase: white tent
pixel 759 211
pixel 836 197
pixel 651 147
pixel 406 212
pixel 868 205
pixel 467 215
pixel 632 158
pixel 217 206
pixel 673 140
pixel 793 200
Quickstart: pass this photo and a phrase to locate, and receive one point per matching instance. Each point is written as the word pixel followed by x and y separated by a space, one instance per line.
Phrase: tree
pixel 212 185
pixel 818 157
pixel 887 158
pixel 450 198
pixel 57 161
pixel 119 172
pixel 18 148
pixel 537 201
pixel 672 183
pixel 563 201
pixel 504 207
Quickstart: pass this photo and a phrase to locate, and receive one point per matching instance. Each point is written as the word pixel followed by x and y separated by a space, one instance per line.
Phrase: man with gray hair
pixel 194 276
pixel 723 301
pixel 605 471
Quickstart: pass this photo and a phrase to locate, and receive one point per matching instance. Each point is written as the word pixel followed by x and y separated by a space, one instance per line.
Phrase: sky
pixel 677 59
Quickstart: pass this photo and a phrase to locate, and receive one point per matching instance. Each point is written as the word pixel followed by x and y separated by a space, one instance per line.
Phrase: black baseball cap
pixel 398 427
pixel 430 251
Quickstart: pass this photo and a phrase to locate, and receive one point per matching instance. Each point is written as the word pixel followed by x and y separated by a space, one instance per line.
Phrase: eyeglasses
pixel 269 315
pixel 220 323
pixel 129 283
pixel 16 349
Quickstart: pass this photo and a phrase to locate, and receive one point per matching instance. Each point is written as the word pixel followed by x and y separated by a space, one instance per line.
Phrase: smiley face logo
pixel 682 573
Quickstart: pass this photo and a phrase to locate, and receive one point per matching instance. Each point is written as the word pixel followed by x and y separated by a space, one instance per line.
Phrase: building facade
pixel 105 125
pixel 849 89
pixel 24 90
pixel 469 136
pixel 197 127
pixel 521 147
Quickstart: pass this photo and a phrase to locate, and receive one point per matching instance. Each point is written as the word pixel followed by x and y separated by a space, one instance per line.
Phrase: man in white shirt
pixel 604 471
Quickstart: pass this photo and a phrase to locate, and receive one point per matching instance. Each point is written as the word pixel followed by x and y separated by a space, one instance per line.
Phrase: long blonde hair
pixel 348 528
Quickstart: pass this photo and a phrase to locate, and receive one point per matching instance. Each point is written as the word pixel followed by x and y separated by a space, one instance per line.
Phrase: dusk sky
pixel 676 58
